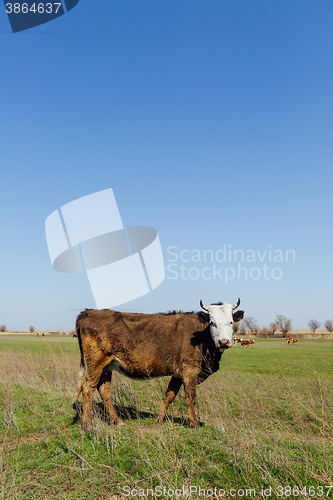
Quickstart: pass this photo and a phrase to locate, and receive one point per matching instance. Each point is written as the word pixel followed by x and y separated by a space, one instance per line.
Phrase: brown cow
pixel 245 342
pixel 186 346
pixel 291 340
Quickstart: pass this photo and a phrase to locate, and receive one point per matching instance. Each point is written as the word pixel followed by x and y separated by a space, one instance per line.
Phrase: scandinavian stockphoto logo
pixel 121 264
pixel 26 14
pixel 227 264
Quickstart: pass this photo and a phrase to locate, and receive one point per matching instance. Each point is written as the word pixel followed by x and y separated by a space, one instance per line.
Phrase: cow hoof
pixel 118 422
pixel 160 420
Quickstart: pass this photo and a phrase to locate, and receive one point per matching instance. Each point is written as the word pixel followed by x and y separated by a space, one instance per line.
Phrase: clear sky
pixel 210 120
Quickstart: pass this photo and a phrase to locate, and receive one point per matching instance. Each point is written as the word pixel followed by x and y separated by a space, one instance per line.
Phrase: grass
pixel 266 421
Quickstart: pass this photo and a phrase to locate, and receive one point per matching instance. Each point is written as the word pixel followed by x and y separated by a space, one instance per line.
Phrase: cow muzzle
pixel 224 344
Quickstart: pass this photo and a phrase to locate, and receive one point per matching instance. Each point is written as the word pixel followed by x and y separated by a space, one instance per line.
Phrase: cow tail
pixel 82 371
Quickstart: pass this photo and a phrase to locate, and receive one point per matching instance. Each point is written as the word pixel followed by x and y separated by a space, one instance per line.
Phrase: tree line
pixel 3 328
pixel 281 323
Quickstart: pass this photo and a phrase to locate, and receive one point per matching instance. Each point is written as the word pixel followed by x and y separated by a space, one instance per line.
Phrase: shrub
pixel 263 332
pixel 3 328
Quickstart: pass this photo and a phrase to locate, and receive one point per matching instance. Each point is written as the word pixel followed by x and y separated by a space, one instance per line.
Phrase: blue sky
pixel 211 121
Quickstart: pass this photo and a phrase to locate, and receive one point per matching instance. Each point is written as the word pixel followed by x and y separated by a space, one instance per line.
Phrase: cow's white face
pixel 220 322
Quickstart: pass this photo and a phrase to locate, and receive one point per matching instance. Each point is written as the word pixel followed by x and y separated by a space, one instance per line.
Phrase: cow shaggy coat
pixel 142 346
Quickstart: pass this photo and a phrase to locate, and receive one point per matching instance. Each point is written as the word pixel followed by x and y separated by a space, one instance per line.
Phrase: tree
pixel 250 324
pixel 284 324
pixel 32 329
pixel 313 325
pixel 274 326
pixel 3 328
pixel 329 325
pixel 235 327
pixel 241 328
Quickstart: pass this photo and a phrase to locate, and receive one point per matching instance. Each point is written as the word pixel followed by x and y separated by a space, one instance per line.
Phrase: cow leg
pixel 104 389
pixel 190 393
pixel 89 386
pixel 172 391
pixel 87 397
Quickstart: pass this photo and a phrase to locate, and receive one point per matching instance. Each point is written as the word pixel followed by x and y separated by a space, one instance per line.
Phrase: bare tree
pixel 32 329
pixel 313 325
pixel 274 326
pixel 3 328
pixel 235 327
pixel 241 328
pixel 329 325
pixel 284 324
pixel 250 324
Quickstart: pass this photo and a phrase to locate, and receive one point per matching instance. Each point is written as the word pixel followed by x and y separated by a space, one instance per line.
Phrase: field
pixel 266 420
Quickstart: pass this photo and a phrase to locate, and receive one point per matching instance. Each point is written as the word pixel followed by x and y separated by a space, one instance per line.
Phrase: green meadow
pixel 266 422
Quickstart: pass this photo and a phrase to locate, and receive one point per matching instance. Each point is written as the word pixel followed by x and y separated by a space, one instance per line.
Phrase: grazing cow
pixel 292 341
pixel 186 346
pixel 245 342
pixel 288 340
pixel 237 341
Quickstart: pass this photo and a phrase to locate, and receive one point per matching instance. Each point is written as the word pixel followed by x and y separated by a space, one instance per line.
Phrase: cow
pixel 288 340
pixel 245 342
pixel 186 346
pixel 292 341
pixel 237 341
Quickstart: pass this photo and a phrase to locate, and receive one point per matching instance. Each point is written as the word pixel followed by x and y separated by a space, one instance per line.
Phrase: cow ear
pixel 238 316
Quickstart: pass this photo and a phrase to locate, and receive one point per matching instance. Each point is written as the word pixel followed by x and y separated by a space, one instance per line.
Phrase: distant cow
pixel 245 342
pixel 186 346
pixel 237 341
pixel 291 340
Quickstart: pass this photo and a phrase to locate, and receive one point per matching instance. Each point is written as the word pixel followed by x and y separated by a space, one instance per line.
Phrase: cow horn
pixel 236 305
pixel 203 306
